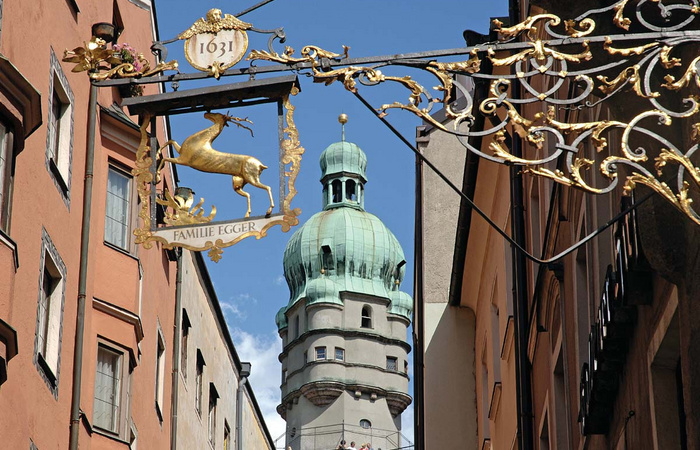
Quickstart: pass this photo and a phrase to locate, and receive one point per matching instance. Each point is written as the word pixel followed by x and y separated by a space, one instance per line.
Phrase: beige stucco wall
pixel 207 334
pixel 450 392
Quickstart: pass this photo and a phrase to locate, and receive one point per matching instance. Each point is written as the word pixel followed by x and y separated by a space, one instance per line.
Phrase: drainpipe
pixel 176 352
pixel 245 373
pixel 82 276
pixel 419 315
pixel 523 384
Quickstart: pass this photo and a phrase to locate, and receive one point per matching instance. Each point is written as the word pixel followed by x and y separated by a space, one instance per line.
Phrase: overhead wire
pixel 485 216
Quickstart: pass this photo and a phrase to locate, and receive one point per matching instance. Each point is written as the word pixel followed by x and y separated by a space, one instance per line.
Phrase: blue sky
pixel 249 279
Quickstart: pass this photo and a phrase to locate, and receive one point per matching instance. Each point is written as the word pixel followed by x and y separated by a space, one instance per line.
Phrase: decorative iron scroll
pixel 103 63
pixel 567 69
pixel 179 209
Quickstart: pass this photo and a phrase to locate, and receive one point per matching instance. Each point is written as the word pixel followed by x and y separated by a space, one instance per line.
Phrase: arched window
pixel 337 191
pixel 326 258
pixel 366 424
pixel 366 317
pixel 350 190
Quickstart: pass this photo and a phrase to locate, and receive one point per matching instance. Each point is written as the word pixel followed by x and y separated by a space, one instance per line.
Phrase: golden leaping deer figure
pixel 196 152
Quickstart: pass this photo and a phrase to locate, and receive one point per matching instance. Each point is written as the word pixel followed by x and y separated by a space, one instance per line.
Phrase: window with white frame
pixel 391 363
pixel 6 163
pixel 59 139
pixel 109 407
pixel 160 373
pixel 118 208
pixel 186 325
pixel 227 436
pixel 50 313
pixel 198 383
pixel 339 354
pixel 213 397
pixel 320 353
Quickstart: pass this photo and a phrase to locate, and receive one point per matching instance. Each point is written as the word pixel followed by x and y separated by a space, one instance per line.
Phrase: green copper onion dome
pixel 344 248
pixel 281 319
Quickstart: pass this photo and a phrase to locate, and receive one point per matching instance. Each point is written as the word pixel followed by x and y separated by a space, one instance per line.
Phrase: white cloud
pixel 232 308
pixel 261 351
pixel 279 280
pixel 236 305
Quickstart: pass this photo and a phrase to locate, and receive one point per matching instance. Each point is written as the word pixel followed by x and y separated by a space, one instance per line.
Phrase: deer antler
pixel 237 120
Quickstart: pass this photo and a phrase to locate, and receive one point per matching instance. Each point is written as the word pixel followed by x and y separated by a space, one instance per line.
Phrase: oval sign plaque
pixel 216 43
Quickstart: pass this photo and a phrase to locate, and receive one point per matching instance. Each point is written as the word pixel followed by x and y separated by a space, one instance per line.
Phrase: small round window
pixel 364 423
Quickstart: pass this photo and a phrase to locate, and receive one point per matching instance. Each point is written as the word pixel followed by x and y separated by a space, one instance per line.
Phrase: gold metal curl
pixel 690 74
pixel 587 26
pixel 626 52
pixel 629 75
pixel 525 26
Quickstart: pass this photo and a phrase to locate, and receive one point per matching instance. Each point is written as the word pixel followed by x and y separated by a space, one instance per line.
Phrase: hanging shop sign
pixel 173 219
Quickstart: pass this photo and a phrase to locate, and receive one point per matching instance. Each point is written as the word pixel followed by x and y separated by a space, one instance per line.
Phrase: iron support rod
pixel 154 170
pixel 176 352
pixel 398 57
pixel 82 276
pixel 253 8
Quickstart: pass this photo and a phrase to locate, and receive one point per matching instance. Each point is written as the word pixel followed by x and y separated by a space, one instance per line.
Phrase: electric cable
pixel 485 216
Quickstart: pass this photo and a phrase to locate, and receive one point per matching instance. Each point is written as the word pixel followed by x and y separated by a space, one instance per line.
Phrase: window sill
pixel 12 245
pixel 109 434
pixel 121 250
pixel 159 413
pixel 58 177
pixel 184 380
pixel 46 370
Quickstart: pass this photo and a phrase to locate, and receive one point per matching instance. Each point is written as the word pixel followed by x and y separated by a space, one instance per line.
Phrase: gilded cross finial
pixel 343 119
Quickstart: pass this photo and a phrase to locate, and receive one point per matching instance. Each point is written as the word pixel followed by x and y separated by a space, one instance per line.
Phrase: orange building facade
pixel 121 394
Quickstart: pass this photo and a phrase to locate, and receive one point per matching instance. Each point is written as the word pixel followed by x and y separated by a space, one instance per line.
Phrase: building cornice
pixel 324 392
pixel 346 364
pixel 345 333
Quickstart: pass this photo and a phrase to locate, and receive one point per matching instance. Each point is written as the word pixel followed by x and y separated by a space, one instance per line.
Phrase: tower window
pixel 366 424
pixel 337 191
pixel 350 190
pixel 320 353
pixel 339 354
pixel 366 317
pixel 391 363
pixel 327 257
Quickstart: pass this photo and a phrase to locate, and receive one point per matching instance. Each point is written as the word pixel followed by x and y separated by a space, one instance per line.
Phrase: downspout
pixel 523 385
pixel 239 413
pixel 176 352
pixel 82 276
pixel 419 314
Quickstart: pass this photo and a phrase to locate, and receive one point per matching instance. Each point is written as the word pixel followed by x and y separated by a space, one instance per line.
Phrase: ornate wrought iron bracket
pixel 569 71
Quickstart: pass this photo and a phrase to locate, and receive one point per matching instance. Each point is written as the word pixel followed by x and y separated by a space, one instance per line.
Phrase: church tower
pixel 345 355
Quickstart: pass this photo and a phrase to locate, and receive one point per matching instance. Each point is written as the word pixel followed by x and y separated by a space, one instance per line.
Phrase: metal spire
pixel 343 119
